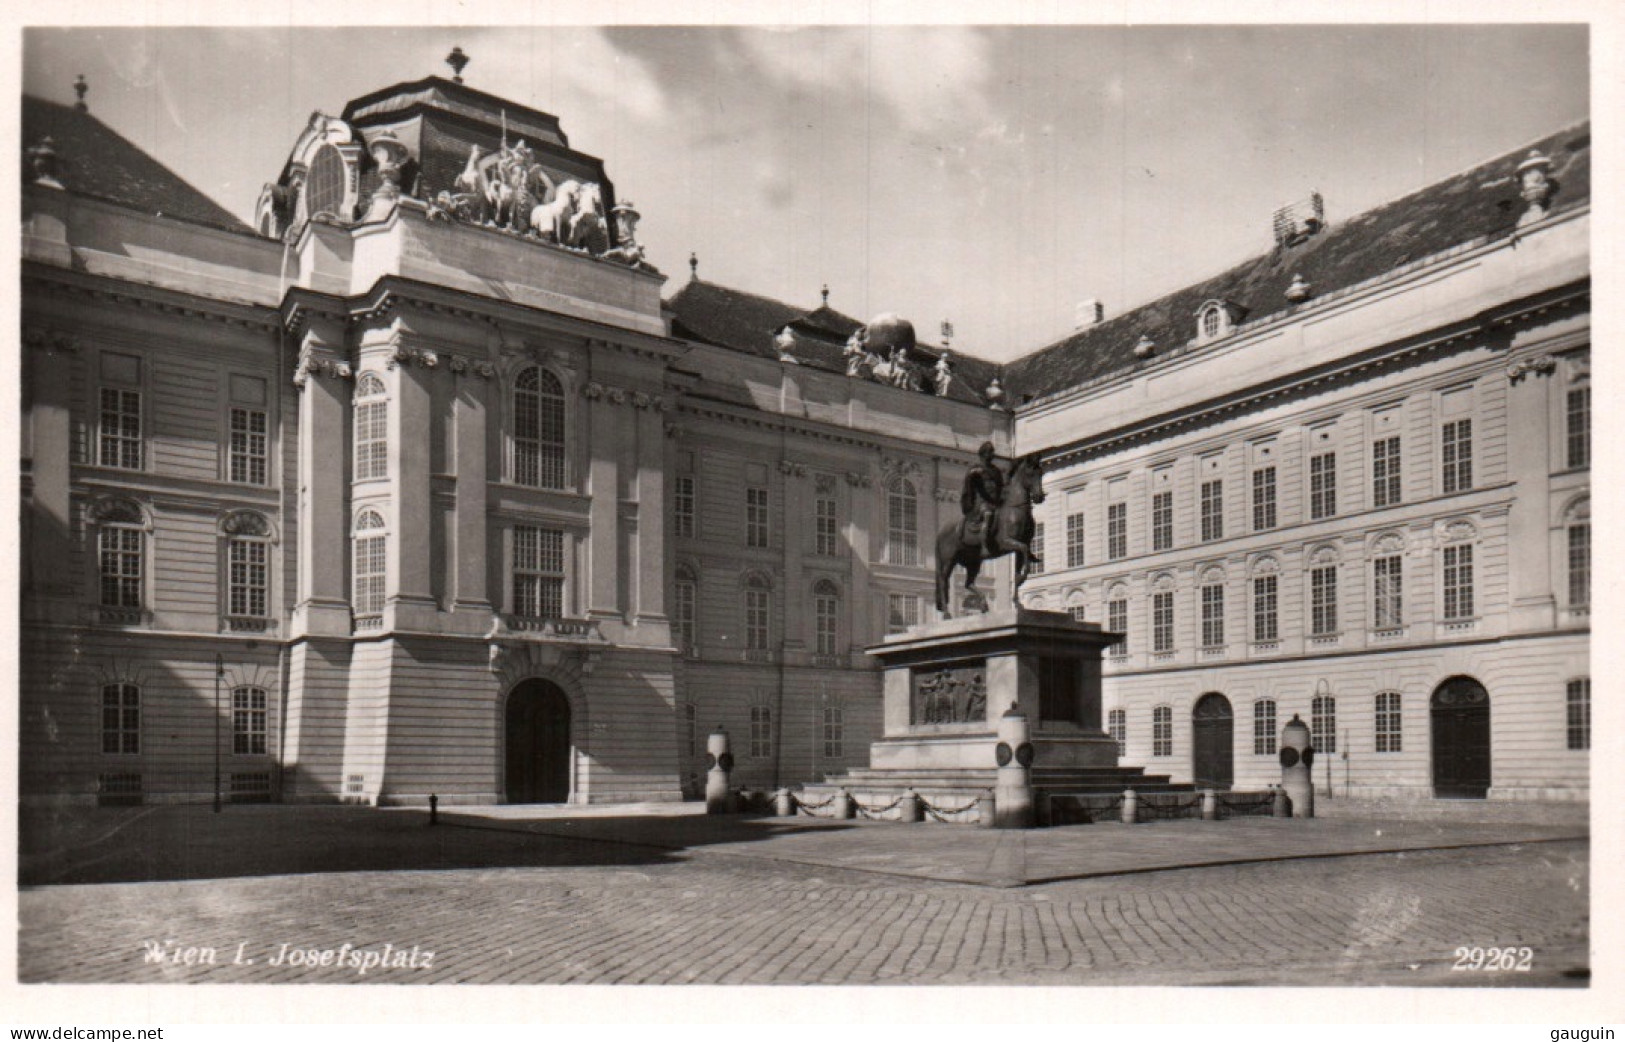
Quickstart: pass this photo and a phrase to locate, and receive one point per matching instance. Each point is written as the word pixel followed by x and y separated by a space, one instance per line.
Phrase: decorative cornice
pixel 857 480
pixel 102 294
pixel 51 341
pixel 595 391
pixel 790 468
pixel 312 364
pixel 408 356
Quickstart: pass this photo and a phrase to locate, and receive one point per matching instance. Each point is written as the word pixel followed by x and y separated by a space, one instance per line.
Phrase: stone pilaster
pixel 411 426
pixel 603 552
pixel 1530 395
pixel 324 379
pixel 469 593
pixel 48 433
pixel 651 529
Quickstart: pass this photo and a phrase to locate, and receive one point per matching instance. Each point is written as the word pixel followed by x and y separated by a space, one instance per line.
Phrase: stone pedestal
pixel 948 683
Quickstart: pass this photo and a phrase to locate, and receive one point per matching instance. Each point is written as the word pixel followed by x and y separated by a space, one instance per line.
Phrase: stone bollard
pixel 843 805
pixel 1283 804
pixel 908 807
pixel 1210 805
pixel 1131 807
pixel 434 809
pixel 721 763
pixel 1013 793
pixel 984 809
pixel 1297 756
pixel 784 804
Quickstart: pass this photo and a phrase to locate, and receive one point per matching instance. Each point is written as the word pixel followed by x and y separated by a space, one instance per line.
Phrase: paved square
pixel 623 896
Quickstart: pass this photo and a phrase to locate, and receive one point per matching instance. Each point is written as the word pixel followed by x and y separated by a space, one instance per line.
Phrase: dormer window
pixel 1216 319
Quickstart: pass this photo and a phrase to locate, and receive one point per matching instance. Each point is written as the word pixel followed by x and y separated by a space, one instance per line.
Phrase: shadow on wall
pixel 124 845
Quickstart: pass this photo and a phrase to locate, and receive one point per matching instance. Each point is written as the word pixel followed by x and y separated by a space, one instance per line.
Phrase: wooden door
pixel 538 744
pixel 1461 739
pixel 1213 746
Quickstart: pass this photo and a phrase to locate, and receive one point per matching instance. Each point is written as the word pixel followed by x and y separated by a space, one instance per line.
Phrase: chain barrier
pixel 807 807
pixel 874 813
pixel 946 814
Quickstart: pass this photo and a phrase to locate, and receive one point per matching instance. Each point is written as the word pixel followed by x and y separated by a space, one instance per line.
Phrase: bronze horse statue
pixel 1012 534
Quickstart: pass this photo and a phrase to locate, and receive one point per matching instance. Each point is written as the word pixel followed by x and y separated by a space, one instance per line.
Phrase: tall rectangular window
pixel 757 605
pixel 1385 489
pixel 1266 614
pixel 691 728
pixel 1117 531
pixel 246 585
pixel 1458 455
pixel 1074 540
pixel 121 718
pixel 1387 593
pixel 1323 600
pixel 369 572
pixel 756 517
pixel 834 733
pixel 1212 510
pixel 1264 727
pixel 826 619
pixel 1212 615
pixel 121 580
pixel 687 615
pixel 1579 427
pixel 683 525
pixel 1162 731
pixel 1323 724
pixel 826 528
pixel 371 440
pixel 1458 581
pixel 1117 622
pixel 1037 567
pixel 1579 564
pixel 902 612
pixel 248 721
pixel 1117 727
pixel 1162 621
pixel 1162 521
pixel 1263 499
pixel 1322 485
pixel 1579 713
pixel 538 572
pixel 1389 724
pixel 121 428
pixel 248 446
pixel 902 523
pixel 761 732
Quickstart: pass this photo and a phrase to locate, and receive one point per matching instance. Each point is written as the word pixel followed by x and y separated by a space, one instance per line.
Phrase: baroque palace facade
pixel 419 486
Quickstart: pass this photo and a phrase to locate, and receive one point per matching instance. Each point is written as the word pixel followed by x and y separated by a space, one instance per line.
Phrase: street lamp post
pixel 219 672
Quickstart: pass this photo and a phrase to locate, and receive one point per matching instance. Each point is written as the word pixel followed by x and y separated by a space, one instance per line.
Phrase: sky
pixel 993 176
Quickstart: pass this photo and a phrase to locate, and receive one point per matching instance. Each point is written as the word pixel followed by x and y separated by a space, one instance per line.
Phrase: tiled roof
pixel 95 160
pixel 745 322
pixel 1481 203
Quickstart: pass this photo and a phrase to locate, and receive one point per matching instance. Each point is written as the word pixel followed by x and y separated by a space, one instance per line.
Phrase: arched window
pixel 121 557
pixel 687 597
pixel 370 565
pixel 1210 322
pixel 121 718
pixel 248 550
pixel 1117 727
pixel 538 429
pixel 1264 727
pixel 371 428
pixel 248 721
pixel 325 184
pixel 826 617
pixel 758 605
pixel 834 733
pixel 1323 724
pixel 1162 731
pixel 1390 726
pixel 902 523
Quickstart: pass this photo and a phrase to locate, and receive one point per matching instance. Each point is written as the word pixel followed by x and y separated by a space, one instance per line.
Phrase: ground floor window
pixel 1579 713
pixel 1388 723
pixel 1323 724
pixel 834 733
pixel 248 721
pixel 1264 727
pixel 1117 727
pixel 1162 731
pixel 761 732
pixel 121 718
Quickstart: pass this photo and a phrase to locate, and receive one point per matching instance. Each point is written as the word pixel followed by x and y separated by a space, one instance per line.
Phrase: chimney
pixel 1089 313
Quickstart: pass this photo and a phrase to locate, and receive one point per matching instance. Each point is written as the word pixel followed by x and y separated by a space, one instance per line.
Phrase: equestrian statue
pixel 997 519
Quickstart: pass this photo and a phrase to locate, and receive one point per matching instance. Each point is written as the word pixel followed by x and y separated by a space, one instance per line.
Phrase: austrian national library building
pixel 428 483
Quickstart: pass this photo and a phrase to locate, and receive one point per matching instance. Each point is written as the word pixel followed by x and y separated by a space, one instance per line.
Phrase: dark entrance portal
pixel 538 729
pixel 1461 740
pixel 1213 745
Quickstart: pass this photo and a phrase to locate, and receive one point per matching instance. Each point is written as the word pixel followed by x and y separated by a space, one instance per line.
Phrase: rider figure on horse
pixel 980 497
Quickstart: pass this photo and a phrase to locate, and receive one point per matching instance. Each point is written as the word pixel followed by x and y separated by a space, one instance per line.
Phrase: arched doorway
pixel 538 744
pixel 1461 739
pixel 1213 747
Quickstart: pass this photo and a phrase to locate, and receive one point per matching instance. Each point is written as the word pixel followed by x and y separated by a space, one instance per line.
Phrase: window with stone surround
pixel 121 718
pixel 1579 563
pixel 122 556
pixel 826 525
pixel 1264 727
pixel 826 617
pixel 834 733
pixel 1117 622
pixel 1212 510
pixel 538 429
pixel 1074 540
pixel 758 607
pixel 686 612
pixel 1457 454
pixel 119 437
pixel 1162 521
pixel 1577 432
pixel 1117 531
pixel 1162 621
pixel 1212 614
pixel 1385 472
pixel 1390 725
pixel 1266 608
pixel 248 441
pixel 369 566
pixel 1322 485
pixel 902 523
pixel 1323 600
pixel 1162 731
pixel 248 721
pixel 371 428
pixel 1037 566
pixel 1117 727
pixel 761 732
pixel 756 517
pixel 1387 592
pixel 538 572
pixel 902 612
pixel 1263 498
pixel 247 589
pixel 691 730
pixel 1323 724
pixel 685 496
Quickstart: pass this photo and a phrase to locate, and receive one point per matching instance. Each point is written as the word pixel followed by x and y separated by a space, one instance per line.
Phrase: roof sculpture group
pixel 883 351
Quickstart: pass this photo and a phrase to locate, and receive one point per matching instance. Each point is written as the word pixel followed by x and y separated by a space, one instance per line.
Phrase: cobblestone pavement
pixel 569 910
